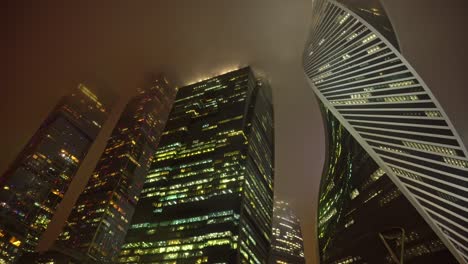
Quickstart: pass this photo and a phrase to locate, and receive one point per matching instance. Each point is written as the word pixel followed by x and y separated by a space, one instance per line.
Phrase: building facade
pixel 363 216
pixel 209 195
pixel 99 221
pixel 286 244
pixel 34 185
pixel 354 66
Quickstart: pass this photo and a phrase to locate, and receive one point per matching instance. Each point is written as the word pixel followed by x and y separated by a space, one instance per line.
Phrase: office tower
pixel 286 243
pixel 363 216
pixel 99 221
pixel 209 195
pixel 36 181
pixel 353 64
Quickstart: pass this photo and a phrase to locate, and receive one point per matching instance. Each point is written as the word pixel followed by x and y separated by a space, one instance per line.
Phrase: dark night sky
pixel 50 46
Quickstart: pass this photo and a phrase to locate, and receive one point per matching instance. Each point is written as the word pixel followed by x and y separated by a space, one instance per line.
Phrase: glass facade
pixel 286 243
pixel 363 217
pixel 354 66
pixel 99 221
pixel 35 183
pixel 208 197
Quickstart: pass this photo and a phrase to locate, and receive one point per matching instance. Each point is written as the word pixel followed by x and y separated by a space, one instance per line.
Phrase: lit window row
pixel 369 38
pixel 201 238
pixel 430 148
pixel 456 162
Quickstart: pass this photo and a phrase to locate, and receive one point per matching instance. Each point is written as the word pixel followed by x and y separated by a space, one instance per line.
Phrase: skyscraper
pixel 209 195
pixel 354 66
pixel 286 243
pixel 99 221
pixel 35 183
pixel 363 217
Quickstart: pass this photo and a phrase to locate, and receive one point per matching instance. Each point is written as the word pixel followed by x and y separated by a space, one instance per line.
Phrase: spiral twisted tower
pixel 353 63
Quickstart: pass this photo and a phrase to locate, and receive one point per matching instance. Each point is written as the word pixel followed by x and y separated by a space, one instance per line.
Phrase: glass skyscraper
pixel 286 244
pixel 35 183
pixel 353 64
pixel 363 216
pixel 99 221
pixel 208 197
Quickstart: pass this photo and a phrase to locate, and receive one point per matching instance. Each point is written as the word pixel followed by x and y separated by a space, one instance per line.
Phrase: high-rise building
pixel 99 221
pixel 209 195
pixel 34 185
pixel 286 244
pixel 353 63
pixel 363 216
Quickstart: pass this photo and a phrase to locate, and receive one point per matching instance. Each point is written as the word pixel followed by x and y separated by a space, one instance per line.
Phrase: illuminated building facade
pixel 353 64
pixel 99 221
pixel 286 243
pixel 363 216
pixel 209 195
pixel 34 185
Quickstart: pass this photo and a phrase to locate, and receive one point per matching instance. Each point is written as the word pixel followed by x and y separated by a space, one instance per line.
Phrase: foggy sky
pixel 51 46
